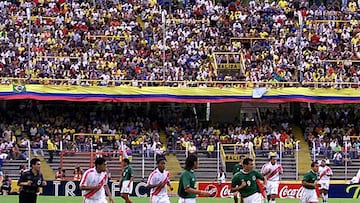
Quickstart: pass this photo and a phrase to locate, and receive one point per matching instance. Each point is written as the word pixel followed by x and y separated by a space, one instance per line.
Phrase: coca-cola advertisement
pixel 290 190
pixel 218 190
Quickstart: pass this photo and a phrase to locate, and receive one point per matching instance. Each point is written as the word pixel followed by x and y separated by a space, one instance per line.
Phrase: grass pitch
pixel 52 199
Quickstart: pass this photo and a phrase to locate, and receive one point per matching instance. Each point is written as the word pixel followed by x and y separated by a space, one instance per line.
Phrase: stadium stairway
pixel 304 155
pixel 12 168
pixel 207 170
pixel 55 163
pixel 173 165
pixel 46 170
pixel 162 136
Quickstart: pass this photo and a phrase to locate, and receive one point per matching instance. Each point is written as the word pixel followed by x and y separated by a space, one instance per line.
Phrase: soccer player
pixel 126 180
pixel 272 171
pixel 356 178
pixel 30 181
pixel 325 173
pixel 94 182
pixel 237 168
pixel 246 182
pixel 157 182
pixel 187 184
pixel 309 183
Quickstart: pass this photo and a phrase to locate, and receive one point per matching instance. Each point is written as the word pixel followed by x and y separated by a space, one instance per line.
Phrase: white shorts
pixel 159 199
pixel 187 200
pixel 324 184
pixel 309 195
pixel 254 198
pixel 89 200
pixel 272 187
pixel 124 187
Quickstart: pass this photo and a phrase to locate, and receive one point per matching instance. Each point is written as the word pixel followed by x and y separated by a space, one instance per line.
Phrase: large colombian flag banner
pixel 178 94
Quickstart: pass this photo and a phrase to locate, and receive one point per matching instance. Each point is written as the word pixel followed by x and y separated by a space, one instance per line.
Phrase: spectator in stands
pixel 221 176
pixel 288 145
pixel 37 147
pixel 60 174
pixel 4 150
pixel 159 150
pixel 257 143
pixel 22 168
pixel 192 148
pixel 51 149
pixel 337 159
pixel 346 159
pixel 6 185
pixel 78 172
pixel 210 150
pixel 356 147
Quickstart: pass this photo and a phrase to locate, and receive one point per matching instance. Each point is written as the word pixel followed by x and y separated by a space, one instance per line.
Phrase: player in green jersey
pixel 245 182
pixel 237 167
pixel 126 181
pixel 310 183
pixel 187 184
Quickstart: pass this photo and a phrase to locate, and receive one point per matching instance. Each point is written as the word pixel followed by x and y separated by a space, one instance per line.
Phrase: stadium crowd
pixel 50 128
pixel 333 133
pixel 124 40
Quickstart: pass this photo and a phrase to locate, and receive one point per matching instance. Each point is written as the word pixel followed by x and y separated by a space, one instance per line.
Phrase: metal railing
pixel 344 160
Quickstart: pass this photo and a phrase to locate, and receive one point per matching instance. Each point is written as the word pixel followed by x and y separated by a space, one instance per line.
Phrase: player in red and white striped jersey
pixel 94 183
pixel 272 171
pixel 157 182
pixel 325 173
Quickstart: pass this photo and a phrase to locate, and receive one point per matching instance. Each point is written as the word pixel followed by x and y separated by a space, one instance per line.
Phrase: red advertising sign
pixel 291 190
pixel 219 190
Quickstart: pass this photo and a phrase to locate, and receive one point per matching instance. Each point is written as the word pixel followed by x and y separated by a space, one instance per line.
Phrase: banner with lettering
pixel 344 191
pixel 286 190
pixel 218 190
pixel 71 188
pixel 291 190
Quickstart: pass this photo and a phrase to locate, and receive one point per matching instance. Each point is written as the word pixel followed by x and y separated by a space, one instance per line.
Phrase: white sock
pixel 326 197
pixel 272 201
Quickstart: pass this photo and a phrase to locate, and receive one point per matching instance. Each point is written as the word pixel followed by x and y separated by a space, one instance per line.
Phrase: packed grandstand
pixel 289 41
pixel 305 43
